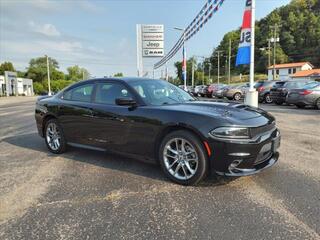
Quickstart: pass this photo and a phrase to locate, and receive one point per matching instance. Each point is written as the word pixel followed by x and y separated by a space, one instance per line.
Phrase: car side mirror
pixel 126 102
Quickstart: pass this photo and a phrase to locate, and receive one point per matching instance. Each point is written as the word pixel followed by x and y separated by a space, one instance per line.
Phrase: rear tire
pixel 183 158
pixel 237 96
pixel 278 102
pixel 54 137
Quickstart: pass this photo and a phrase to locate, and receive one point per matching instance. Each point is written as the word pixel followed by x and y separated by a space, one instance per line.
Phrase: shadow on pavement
pixel 106 160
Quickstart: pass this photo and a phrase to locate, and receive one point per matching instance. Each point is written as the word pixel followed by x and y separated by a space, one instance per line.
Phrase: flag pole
pixel 252 95
pixel 252 45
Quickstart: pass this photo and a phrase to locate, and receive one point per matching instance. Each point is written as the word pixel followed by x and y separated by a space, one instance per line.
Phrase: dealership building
pixel 11 85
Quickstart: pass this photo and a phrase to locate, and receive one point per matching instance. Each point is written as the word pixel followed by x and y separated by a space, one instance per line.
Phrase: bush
pixel 38 88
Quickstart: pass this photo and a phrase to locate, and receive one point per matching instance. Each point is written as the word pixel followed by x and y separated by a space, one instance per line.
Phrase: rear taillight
pixel 305 92
pixel 260 89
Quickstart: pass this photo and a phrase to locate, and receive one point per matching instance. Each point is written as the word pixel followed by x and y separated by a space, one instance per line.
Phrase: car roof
pixel 124 79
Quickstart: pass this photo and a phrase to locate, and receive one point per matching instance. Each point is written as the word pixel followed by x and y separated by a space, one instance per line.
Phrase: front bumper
pixel 278 97
pixel 232 158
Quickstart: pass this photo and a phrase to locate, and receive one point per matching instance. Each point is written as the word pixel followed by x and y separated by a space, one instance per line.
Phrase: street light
pixel 184 68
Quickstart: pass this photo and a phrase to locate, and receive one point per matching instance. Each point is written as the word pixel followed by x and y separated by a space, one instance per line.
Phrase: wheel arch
pixel 172 128
pixel 45 120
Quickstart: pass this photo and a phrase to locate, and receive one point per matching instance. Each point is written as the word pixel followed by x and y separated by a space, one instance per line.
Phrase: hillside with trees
pixel 299 33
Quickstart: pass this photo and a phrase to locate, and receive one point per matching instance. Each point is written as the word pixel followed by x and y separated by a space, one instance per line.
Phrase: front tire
pixel 318 103
pixel 267 98
pixel 183 158
pixel 54 137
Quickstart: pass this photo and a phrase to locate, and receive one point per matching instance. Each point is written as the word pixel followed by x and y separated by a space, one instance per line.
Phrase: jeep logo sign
pixel 153 44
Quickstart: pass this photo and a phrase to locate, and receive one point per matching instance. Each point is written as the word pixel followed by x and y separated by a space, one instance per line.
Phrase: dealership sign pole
pixel 246 49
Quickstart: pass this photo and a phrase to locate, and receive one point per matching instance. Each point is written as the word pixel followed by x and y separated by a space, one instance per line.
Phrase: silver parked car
pixel 309 95
pixel 236 92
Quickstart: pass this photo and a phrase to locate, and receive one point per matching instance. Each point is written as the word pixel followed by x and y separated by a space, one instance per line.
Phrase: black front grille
pixel 263 129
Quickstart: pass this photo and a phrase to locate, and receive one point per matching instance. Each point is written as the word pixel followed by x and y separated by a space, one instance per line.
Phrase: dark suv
pixel 280 90
pixel 263 88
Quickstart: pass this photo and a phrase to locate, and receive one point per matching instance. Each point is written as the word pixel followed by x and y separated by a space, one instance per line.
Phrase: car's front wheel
pixel 318 103
pixel 267 98
pixel 183 158
pixel 54 137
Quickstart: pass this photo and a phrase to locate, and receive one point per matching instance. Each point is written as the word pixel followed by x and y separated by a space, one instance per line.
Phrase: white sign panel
pixel 153 44
pixel 152 52
pixel 152 28
pixel 152 36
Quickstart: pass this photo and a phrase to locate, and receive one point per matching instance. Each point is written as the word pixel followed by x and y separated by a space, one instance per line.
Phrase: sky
pixel 101 35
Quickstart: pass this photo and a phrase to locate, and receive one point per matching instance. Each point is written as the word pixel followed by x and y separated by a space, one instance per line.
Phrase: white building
pixel 284 71
pixel 11 85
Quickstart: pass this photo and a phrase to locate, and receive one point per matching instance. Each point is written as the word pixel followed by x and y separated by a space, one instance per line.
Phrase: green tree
pixel 76 73
pixel 119 74
pixel 37 69
pixel 6 66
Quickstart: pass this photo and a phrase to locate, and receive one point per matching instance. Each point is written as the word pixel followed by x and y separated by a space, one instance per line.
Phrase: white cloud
pixel 46 29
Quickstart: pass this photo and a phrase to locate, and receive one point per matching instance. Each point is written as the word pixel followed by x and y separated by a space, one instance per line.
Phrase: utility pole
pixel 48 72
pixel 210 72
pixel 203 73
pixel 192 76
pixel 166 73
pixel 269 52
pixel 275 39
pixel 219 65
pixel 82 75
pixel 229 67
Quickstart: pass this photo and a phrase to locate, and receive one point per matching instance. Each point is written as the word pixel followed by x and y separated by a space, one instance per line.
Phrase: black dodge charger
pixel 155 121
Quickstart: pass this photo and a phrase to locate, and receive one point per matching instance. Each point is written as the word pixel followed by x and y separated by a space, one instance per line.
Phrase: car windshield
pixel 159 92
pixel 279 84
pixel 258 84
pixel 291 85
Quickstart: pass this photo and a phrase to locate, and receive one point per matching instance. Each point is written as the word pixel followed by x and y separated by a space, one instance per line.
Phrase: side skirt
pixel 86 147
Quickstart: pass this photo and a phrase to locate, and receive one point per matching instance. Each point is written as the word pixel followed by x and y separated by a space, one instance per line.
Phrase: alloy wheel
pixel 318 103
pixel 180 158
pixel 268 99
pixel 53 136
pixel 237 96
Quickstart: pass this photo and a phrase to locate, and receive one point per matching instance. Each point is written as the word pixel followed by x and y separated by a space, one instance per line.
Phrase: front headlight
pixel 231 132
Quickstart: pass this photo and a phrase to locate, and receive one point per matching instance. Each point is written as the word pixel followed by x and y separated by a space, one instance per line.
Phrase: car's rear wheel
pixel 267 98
pixel 183 158
pixel 237 96
pixel 54 137
pixel 318 103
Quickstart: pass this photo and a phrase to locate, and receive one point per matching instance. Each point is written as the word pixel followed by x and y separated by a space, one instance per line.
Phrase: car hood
pixel 228 110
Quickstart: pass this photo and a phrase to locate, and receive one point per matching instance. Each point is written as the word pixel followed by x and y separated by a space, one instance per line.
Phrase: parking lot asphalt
pixel 84 194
